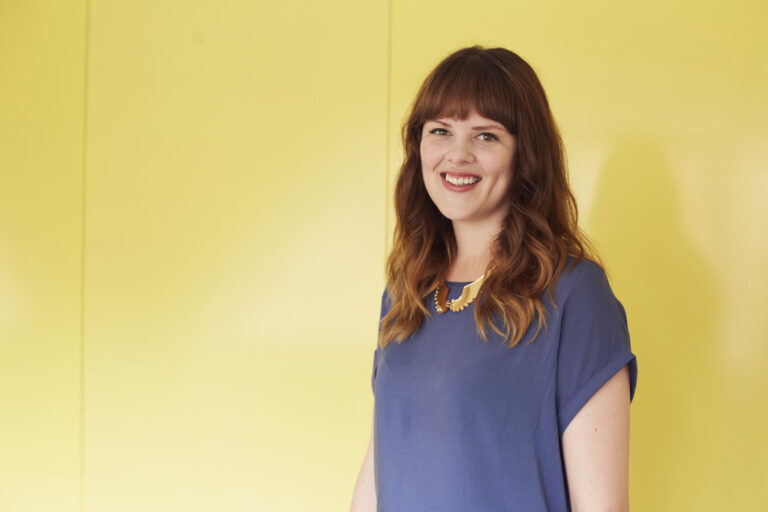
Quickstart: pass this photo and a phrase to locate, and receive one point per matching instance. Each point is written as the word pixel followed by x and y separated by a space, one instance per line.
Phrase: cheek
pixel 428 179
pixel 502 178
pixel 497 168
pixel 429 156
pixel 505 170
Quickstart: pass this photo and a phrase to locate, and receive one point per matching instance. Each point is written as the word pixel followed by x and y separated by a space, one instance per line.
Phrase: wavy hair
pixel 540 231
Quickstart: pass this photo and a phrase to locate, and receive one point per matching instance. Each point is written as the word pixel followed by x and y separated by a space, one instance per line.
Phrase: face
pixel 467 168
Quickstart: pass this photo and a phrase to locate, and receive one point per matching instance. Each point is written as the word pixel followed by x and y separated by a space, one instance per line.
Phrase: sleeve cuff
pixel 567 412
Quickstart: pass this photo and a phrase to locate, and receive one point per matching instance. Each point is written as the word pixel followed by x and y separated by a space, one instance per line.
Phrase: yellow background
pixel 195 208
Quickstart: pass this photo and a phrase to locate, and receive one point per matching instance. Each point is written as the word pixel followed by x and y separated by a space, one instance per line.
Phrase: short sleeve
pixel 384 310
pixel 594 341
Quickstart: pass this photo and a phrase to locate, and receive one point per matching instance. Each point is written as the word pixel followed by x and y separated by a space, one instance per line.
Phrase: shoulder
pixel 583 277
pixel 585 287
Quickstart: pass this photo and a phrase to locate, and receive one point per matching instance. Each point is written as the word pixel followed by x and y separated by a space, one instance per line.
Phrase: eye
pixel 434 130
pixel 492 136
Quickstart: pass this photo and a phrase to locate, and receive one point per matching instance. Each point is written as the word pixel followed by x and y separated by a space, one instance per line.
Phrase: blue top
pixel 461 425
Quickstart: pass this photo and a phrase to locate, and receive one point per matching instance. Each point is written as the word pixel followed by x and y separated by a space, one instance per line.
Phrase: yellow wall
pixel 194 218
pixel 234 241
pixel 42 77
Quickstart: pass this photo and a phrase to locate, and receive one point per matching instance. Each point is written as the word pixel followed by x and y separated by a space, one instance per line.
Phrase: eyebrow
pixel 485 127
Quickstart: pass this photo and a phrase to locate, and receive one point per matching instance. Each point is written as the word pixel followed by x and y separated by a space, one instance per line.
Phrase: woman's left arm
pixel 596 449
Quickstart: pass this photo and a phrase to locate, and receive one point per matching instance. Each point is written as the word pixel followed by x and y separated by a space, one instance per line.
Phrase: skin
pixel 595 443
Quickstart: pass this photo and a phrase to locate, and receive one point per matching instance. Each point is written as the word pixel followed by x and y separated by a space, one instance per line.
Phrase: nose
pixel 459 152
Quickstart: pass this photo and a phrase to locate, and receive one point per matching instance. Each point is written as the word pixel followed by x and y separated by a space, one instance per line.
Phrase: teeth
pixel 461 181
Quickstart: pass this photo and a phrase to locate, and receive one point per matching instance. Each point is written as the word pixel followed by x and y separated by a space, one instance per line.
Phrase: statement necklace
pixel 468 294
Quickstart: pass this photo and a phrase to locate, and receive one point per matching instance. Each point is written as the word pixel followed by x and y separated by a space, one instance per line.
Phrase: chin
pixel 453 215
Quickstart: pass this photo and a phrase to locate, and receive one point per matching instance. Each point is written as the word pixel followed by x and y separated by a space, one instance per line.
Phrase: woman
pixel 504 373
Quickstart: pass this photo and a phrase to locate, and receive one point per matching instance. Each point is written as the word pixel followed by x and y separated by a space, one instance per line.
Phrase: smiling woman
pixel 514 393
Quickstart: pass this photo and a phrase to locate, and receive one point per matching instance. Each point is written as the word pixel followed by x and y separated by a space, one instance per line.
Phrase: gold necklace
pixel 468 294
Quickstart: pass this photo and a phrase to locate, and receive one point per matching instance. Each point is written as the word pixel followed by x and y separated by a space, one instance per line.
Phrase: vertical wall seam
pixel 82 249
pixel 388 103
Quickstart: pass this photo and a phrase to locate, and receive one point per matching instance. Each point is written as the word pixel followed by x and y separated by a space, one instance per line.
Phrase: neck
pixel 474 250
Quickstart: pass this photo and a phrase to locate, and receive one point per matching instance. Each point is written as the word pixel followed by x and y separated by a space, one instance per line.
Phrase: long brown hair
pixel 541 229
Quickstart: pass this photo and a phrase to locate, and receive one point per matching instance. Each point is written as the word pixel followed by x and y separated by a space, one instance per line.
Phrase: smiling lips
pixel 459 181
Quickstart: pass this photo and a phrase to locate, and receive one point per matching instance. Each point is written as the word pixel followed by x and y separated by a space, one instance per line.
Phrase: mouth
pixel 460 179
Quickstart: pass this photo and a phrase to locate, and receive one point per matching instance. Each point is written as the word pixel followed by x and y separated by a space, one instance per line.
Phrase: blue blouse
pixel 461 425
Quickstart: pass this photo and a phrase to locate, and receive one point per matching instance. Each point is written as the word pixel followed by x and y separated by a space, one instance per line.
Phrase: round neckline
pixel 458 282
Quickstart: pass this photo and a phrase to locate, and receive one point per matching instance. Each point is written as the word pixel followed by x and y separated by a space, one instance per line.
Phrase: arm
pixel 364 496
pixel 596 449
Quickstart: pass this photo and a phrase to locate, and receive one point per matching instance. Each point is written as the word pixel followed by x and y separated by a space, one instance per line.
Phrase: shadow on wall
pixel 673 307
